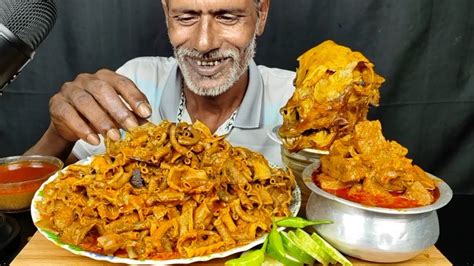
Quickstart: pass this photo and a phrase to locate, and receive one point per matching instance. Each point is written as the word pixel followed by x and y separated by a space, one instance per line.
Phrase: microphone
pixel 24 24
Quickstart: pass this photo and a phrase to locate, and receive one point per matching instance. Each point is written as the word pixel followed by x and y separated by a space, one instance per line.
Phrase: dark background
pixel 424 49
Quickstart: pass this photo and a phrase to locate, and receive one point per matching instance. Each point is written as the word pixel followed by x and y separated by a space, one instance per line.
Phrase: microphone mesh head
pixel 29 20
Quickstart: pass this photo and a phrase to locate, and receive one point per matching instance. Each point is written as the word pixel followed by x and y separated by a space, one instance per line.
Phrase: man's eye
pixel 186 19
pixel 227 19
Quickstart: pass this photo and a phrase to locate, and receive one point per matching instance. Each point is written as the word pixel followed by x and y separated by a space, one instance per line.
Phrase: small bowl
pixel 298 161
pixel 373 233
pixel 21 176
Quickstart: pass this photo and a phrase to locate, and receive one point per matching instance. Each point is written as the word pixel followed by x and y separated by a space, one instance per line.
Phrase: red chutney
pixel 395 201
pixel 24 171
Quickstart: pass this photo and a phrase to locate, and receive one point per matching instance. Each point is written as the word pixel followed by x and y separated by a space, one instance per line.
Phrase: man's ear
pixel 263 14
pixel 165 10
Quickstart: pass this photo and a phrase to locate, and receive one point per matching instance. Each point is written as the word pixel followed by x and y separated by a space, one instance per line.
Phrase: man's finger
pixel 88 108
pixel 69 123
pixel 109 100
pixel 128 91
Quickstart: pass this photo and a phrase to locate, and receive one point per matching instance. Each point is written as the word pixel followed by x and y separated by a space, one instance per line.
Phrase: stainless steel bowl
pixel 373 233
pixel 298 161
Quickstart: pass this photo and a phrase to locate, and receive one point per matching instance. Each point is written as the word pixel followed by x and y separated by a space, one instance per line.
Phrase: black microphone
pixel 24 24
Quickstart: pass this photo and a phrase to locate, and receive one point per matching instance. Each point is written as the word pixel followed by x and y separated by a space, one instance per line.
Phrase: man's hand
pixel 95 104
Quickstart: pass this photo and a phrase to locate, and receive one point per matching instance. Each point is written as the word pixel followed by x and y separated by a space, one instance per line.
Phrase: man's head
pixel 214 40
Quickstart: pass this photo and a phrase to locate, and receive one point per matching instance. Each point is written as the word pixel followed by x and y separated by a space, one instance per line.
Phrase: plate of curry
pixel 165 194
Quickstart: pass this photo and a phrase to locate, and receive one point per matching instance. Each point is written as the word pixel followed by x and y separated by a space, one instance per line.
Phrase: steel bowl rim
pixel 446 195
pixel 272 133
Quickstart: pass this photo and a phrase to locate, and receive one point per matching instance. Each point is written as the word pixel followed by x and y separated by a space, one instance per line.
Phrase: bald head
pixel 257 2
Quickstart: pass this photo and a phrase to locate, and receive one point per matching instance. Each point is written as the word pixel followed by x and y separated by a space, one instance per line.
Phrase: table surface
pixel 40 251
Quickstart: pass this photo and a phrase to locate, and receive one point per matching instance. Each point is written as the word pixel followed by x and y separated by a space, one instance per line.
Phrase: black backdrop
pixel 423 48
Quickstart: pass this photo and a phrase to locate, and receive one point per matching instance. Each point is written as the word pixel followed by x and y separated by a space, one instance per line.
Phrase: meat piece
pixel 136 179
pixel 418 193
pixel 334 88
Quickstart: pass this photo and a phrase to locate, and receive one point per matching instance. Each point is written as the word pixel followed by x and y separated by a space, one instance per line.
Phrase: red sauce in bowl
pixel 394 201
pixel 24 173
pixel 20 178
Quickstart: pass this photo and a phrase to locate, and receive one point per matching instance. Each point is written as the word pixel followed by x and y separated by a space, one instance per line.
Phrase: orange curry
pixel 394 201
pixel 366 168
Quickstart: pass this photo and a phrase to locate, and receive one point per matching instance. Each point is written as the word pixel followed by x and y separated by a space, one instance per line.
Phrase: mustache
pixel 182 52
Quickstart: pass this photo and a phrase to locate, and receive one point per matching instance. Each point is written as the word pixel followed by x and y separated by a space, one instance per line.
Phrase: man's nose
pixel 207 37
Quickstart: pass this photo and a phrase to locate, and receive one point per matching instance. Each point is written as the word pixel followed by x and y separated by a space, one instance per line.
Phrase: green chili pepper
pixel 277 250
pixel 253 258
pixel 265 243
pixel 298 222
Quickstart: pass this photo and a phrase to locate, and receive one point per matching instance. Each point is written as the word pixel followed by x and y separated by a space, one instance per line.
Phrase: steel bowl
pixel 373 233
pixel 298 161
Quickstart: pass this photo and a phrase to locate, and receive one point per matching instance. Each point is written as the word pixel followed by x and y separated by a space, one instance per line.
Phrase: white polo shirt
pixel 159 79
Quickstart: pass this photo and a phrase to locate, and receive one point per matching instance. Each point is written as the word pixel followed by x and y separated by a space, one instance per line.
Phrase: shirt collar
pixel 250 110
pixel 169 102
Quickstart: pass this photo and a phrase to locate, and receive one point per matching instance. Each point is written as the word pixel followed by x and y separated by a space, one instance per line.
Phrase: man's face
pixel 213 41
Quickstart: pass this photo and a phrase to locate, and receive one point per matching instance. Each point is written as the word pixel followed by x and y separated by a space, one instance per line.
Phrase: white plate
pixel 272 133
pixel 294 208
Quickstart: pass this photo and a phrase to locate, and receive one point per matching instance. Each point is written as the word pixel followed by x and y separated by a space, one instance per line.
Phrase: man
pixel 212 78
